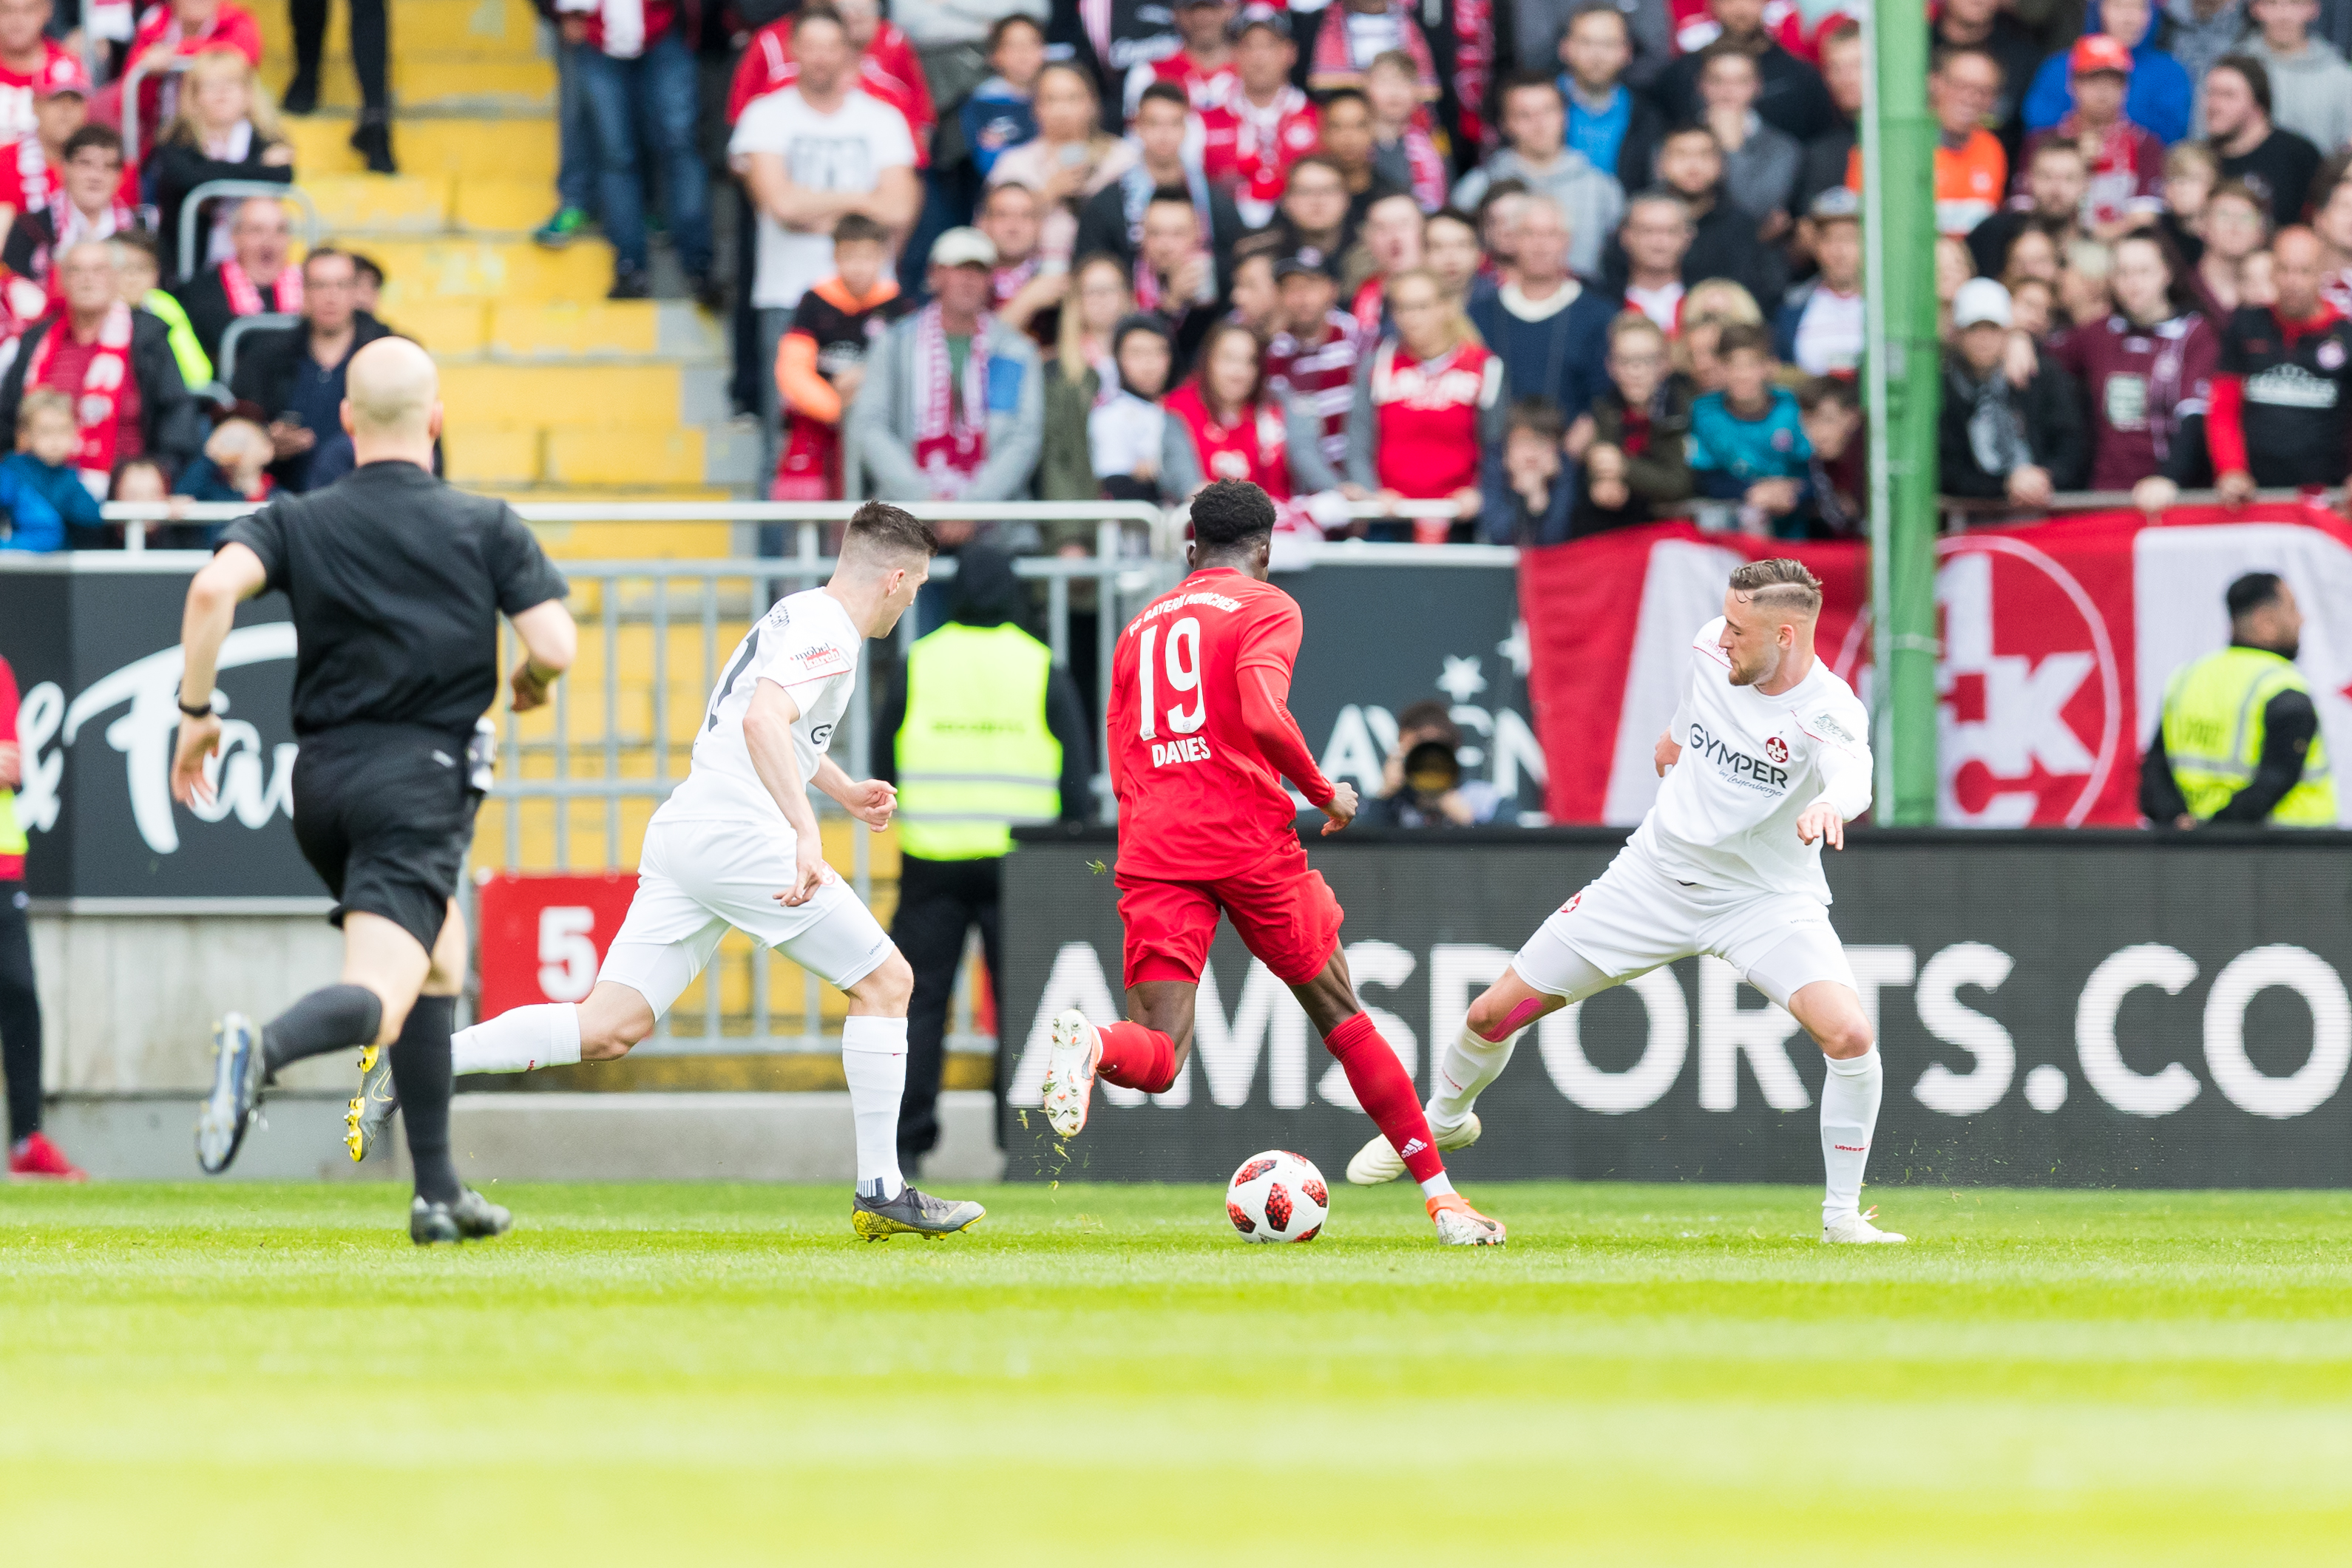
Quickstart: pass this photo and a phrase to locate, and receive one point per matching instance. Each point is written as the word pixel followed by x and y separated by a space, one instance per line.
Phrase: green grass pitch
pixel 659 1374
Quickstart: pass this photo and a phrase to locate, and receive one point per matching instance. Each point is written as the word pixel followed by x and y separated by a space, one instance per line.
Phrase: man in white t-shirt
pixel 1765 763
pixel 809 155
pixel 737 844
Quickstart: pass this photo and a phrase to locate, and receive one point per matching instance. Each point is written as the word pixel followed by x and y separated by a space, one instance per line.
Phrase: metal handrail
pixel 251 190
pixel 133 80
pixel 1957 509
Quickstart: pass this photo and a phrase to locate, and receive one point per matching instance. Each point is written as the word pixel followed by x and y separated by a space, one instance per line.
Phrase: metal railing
pixel 135 77
pixel 236 331
pixel 242 190
pixel 1962 512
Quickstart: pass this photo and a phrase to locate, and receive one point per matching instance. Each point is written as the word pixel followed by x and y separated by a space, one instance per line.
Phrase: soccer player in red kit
pixel 1201 740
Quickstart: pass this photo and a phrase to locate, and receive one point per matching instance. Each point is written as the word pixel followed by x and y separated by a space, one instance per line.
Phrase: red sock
pixel 1385 1090
pixel 1137 1058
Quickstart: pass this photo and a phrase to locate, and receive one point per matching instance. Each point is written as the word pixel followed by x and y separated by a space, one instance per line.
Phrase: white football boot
pixel 1857 1228
pixel 1379 1162
pixel 1069 1087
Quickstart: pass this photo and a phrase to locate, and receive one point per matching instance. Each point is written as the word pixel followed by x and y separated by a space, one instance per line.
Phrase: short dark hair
pixel 330 252
pixel 1004 25
pixel 1449 213
pixel 1164 92
pixel 1340 94
pixel 90 136
pixel 1172 196
pixel 1520 81
pixel 367 267
pixel 1690 128
pixel 143 241
pixel 857 228
pixel 1816 391
pixel 1946 53
pixel 816 11
pixel 1740 336
pixel 1322 161
pixel 2256 75
pixel 1725 49
pixel 2250 592
pixel 1593 8
pixel 1231 514
pixel 886 534
pixel 1536 416
pixel 1430 713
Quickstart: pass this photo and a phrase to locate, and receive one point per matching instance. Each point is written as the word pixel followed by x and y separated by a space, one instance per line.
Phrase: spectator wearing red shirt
pixel 1431 404
pixel 1252 136
pixel 887 68
pixel 1204 68
pixel 1313 355
pixel 33 167
pixel 87 206
pixel 2126 162
pixel 182 29
pixel 30 1153
pixel 2282 391
pixel 1228 422
pixel 29 61
pixel 2146 373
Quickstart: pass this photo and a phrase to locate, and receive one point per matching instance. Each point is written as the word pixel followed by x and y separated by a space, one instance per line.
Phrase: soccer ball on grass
pixel 1277 1196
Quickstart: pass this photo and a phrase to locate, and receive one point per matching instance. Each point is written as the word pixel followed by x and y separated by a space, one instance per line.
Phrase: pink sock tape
pixel 1519 1016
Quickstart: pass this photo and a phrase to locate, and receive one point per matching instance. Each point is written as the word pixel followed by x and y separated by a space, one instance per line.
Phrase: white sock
pixel 1438 1185
pixel 1849 1116
pixel 874 1058
pixel 1470 1063
pixel 519 1040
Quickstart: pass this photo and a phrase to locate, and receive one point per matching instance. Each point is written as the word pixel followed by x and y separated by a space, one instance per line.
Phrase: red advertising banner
pixel 543 937
pixel 2057 640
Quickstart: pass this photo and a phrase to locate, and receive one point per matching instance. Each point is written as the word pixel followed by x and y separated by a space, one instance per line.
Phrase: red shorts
pixel 1282 908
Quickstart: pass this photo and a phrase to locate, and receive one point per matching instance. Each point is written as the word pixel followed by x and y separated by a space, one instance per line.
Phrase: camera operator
pixel 1421 784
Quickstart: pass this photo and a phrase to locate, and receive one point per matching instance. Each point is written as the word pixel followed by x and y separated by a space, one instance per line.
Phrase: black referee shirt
pixel 396 581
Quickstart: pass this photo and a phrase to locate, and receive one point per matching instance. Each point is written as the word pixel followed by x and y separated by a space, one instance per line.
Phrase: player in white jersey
pixel 736 845
pixel 1765 763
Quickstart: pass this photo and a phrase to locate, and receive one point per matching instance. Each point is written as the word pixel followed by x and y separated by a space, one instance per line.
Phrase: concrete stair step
pixel 521 149
pixel 595 456
pixel 560 330
pixel 485 30
pixel 453 267
pixel 381 205
pixel 429 81
pixel 502 203
pixel 454 331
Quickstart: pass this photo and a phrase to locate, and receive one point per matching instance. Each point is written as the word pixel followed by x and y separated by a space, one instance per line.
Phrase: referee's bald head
pixel 392 392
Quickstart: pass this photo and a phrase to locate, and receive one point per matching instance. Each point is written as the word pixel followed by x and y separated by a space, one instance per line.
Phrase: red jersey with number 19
pixel 1199 796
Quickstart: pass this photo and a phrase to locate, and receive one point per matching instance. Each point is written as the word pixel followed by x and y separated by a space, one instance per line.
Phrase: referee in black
pixel 396 582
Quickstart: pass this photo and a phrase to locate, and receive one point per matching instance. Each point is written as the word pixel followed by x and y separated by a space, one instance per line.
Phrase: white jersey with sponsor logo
pixel 1727 815
pixel 805 643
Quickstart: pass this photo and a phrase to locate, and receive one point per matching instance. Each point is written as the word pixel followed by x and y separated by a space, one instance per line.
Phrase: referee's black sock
pixel 420 1073
pixel 333 1018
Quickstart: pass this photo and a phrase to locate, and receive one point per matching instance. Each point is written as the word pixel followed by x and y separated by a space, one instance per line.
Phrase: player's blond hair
pixel 1780 584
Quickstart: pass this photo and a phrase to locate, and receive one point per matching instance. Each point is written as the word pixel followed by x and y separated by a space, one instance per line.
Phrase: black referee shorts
pixel 385 815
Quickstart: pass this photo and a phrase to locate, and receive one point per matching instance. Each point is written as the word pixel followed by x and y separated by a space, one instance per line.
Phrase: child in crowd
pixel 999 114
pixel 139 269
pixel 48 506
pixel 821 359
pixel 233 466
pixel 1528 500
pixel 1747 442
pixel 1634 442
pixel 2083 296
pixel 1125 432
pixel 144 480
pixel 1834 474
pixel 2190 172
pixel 1404 151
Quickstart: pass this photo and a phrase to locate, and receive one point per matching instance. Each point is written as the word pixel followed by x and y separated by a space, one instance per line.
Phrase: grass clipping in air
pixel 712 1374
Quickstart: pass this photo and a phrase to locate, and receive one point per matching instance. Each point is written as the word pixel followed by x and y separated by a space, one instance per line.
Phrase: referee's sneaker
pixel 396 582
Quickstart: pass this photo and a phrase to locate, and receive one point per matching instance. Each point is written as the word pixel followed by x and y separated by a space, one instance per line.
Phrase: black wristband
pixel 204 711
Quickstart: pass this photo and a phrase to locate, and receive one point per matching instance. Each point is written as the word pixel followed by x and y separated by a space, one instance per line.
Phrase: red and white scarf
pixel 72 227
pixel 97 401
pixel 31 183
pixel 952 430
pixel 245 300
pixel 1008 281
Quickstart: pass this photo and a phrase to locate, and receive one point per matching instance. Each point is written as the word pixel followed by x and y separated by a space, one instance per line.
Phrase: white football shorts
pixel 1634 917
pixel 698 878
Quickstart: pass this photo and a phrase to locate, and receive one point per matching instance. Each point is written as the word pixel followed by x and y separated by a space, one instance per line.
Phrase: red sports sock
pixel 1385 1090
pixel 1138 1058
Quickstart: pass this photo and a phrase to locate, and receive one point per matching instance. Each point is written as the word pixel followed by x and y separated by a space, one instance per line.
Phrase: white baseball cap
pixel 963 248
pixel 1980 301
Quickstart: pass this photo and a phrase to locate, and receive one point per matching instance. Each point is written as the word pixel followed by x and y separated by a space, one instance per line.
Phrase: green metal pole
pixel 1903 394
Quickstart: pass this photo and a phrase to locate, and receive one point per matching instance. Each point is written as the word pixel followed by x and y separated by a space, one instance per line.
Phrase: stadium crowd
pixel 1543 266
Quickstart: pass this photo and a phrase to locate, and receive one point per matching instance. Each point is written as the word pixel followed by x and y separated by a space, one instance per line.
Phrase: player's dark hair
pixel 1780 584
pixel 1749 336
pixel 857 228
pixel 889 535
pixel 1166 93
pixel 2250 592
pixel 1231 515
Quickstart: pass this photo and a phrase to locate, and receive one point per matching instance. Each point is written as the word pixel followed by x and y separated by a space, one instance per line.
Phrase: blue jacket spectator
pixel 42 499
pixel 2161 95
pixel 1550 331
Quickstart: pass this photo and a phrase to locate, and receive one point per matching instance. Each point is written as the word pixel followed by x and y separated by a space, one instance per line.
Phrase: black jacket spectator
pixel 179 167
pixel 262 237
pixel 1991 427
pixel 267 365
pixel 170 429
pixel 1723 245
pixel 1793 98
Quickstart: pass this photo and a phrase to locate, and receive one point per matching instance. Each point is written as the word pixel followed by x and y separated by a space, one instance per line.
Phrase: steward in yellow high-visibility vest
pixel 982 733
pixel 2240 739
pixel 30 1153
